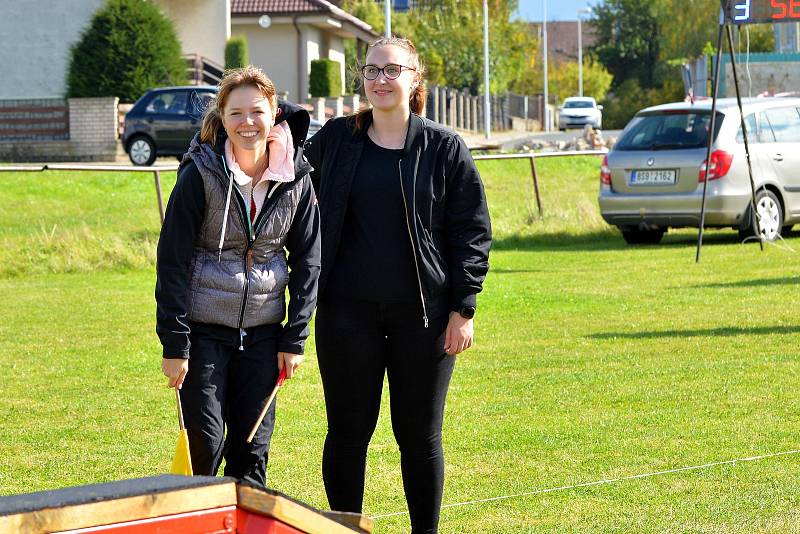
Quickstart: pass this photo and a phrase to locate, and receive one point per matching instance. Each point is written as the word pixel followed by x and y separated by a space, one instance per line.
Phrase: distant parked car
pixel 163 121
pixel 578 111
pixel 653 178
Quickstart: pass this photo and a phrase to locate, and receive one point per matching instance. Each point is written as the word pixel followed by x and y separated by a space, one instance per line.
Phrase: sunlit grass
pixel 594 361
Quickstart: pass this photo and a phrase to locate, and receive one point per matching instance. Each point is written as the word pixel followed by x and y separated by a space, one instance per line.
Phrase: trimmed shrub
pixel 325 79
pixel 236 53
pixel 128 48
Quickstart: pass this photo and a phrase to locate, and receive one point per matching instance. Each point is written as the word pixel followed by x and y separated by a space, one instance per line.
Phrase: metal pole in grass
pixel 157 177
pixel 536 186
pixel 753 209
pixel 710 139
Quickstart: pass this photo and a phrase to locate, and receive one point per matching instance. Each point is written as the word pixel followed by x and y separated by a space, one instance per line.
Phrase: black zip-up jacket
pixel 446 211
pixel 242 284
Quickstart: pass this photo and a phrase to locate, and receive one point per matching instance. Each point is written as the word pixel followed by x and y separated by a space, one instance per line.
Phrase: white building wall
pixel 36 38
pixel 203 26
pixel 275 51
pixel 312 39
pixel 336 53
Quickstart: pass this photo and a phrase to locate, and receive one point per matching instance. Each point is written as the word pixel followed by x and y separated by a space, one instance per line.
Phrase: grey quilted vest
pixel 243 284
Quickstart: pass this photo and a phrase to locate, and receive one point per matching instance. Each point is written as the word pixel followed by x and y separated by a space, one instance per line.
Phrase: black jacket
pixel 445 203
pixel 253 262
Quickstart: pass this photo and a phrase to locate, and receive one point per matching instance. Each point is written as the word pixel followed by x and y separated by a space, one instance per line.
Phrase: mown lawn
pixel 594 361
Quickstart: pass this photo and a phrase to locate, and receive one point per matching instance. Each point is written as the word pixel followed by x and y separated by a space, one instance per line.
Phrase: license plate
pixel 653 177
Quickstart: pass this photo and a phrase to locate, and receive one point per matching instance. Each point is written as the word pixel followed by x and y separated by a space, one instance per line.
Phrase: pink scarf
pixel 281 154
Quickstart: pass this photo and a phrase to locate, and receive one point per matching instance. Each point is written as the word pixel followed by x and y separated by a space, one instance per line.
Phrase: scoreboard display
pixel 759 11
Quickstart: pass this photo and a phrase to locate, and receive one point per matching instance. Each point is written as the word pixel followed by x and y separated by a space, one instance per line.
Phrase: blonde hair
pixel 418 95
pixel 234 78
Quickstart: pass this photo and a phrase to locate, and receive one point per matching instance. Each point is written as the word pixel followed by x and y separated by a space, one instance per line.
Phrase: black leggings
pixel 357 342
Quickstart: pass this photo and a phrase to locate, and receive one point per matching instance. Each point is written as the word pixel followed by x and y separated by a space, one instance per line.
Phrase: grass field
pixel 594 361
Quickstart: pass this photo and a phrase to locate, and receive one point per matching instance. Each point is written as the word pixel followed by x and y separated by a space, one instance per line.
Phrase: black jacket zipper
pixel 413 245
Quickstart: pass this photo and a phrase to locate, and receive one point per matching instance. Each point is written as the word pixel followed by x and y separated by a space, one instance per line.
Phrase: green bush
pixel 236 53
pixel 325 79
pixel 128 48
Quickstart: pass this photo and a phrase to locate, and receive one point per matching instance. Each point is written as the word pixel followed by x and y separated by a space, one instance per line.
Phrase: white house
pixel 284 36
pixel 37 36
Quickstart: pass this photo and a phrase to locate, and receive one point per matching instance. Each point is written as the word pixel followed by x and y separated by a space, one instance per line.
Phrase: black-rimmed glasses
pixel 391 71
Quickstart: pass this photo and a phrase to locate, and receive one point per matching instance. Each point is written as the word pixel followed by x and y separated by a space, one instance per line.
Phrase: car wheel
pixel 637 236
pixel 770 217
pixel 142 151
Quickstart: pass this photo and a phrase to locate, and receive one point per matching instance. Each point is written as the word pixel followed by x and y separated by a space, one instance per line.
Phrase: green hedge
pixel 128 48
pixel 236 53
pixel 325 79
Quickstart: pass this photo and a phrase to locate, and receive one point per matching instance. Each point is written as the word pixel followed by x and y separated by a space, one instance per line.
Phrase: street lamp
pixel 487 111
pixel 584 11
pixel 544 46
pixel 387 17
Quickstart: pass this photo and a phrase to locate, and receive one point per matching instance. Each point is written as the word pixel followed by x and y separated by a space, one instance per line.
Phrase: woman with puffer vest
pixel 405 245
pixel 241 226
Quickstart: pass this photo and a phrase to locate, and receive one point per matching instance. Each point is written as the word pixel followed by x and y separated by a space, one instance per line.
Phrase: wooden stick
pixel 281 378
pixel 180 410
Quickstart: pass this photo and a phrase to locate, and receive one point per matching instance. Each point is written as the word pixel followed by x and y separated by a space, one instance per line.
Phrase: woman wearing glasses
pixel 406 238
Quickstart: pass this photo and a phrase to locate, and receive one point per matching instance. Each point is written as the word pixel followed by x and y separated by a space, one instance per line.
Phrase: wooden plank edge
pixel 121 510
pixel 291 513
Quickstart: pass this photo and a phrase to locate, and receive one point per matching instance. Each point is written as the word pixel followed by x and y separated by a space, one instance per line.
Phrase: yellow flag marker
pixel 182 462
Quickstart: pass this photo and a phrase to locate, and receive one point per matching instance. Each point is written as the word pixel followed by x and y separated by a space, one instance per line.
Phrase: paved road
pixel 569 135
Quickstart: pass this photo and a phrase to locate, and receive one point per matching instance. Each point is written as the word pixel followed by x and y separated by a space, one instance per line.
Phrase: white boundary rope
pixel 604 481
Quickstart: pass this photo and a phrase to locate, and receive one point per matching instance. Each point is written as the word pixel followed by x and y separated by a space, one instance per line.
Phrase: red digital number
pixel 778 4
pixel 790 8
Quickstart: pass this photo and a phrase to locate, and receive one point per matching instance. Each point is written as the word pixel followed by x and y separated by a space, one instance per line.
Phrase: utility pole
pixel 544 44
pixel 580 57
pixel 487 115
pixel 387 16
pixel 580 50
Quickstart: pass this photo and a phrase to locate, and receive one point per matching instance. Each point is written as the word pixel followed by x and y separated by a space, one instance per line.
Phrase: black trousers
pixel 225 388
pixel 357 342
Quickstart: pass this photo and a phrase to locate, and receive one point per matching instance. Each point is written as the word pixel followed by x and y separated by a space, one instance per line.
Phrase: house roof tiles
pixel 287 7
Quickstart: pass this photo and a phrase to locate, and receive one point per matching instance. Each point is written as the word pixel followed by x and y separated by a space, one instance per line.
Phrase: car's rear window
pixel 668 131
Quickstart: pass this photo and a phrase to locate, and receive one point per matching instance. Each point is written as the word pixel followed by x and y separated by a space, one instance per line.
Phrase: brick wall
pixel 41 119
pixel 93 125
pixel 78 129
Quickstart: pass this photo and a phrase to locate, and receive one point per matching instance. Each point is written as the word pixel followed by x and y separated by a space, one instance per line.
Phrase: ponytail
pixel 418 98
pixel 212 122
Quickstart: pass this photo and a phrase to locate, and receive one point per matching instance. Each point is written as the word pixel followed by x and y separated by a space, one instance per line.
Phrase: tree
pixel 685 32
pixel 128 48
pixel 370 12
pixel 236 55
pixel 627 37
pixel 563 80
pixel 449 37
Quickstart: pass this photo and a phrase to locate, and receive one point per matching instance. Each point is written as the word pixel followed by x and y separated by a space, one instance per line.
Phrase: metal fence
pixel 461 110
pixel 116 168
pixel 532 157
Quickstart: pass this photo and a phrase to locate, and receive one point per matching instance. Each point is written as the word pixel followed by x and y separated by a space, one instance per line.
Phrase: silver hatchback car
pixel 653 178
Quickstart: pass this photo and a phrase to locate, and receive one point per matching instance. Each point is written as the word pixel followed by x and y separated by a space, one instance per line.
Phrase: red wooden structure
pixel 171 504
